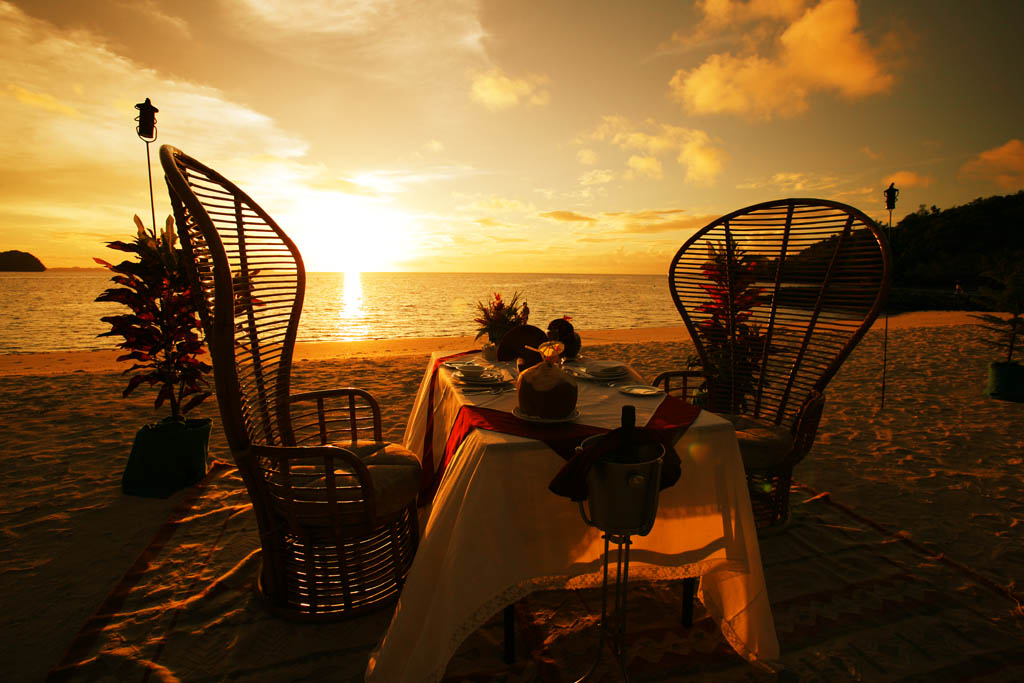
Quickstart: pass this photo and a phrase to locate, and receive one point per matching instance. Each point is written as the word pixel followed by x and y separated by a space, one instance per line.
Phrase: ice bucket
pixel 623 496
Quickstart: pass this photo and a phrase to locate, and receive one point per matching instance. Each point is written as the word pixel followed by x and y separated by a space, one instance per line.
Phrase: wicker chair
pixel 775 296
pixel 335 504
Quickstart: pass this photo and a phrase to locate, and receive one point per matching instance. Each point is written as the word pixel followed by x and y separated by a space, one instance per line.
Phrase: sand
pixel 941 463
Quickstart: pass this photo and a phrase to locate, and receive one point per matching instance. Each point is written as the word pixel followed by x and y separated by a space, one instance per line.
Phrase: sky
pixel 586 136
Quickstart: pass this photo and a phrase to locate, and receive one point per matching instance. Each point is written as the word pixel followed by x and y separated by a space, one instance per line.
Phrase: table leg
pixel 510 634
pixel 689 588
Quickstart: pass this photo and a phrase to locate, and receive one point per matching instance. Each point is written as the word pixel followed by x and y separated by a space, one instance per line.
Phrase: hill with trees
pixel 20 261
pixel 975 244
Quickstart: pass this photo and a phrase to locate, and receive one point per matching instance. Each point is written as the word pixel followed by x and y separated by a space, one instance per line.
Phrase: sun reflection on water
pixel 352 323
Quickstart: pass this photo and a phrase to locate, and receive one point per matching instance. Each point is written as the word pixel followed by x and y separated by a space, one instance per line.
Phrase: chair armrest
pixel 317 485
pixel 806 425
pixel 345 415
pixel 680 383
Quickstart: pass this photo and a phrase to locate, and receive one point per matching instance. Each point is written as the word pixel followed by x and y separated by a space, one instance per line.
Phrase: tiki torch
pixel 147 133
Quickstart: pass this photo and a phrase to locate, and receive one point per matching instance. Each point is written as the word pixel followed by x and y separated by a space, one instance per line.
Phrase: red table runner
pixel 672 417
pixel 428 480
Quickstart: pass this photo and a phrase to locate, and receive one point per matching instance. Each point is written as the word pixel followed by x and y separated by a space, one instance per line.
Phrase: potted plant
pixel 498 317
pixel 1005 377
pixel 733 346
pixel 162 338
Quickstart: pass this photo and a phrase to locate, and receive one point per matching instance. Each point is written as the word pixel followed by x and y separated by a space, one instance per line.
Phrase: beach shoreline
pixel 60 362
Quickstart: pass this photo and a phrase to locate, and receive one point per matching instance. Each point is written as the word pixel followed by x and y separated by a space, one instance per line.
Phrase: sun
pixel 337 232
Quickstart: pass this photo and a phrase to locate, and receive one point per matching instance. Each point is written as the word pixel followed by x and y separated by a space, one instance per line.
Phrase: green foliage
pixel 1004 294
pixel 733 346
pixel 934 248
pixel 498 317
pixel 161 333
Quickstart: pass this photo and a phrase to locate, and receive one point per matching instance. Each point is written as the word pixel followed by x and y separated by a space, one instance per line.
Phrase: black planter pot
pixel 167 456
pixel 1006 381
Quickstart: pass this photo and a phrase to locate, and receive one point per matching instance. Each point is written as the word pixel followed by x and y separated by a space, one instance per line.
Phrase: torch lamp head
pixel 147 120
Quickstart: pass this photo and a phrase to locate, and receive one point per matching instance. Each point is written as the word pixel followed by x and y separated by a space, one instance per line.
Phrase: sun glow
pixel 338 232
pixel 352 324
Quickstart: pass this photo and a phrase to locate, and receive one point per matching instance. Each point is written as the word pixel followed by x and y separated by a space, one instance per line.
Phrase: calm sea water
pixel 56 310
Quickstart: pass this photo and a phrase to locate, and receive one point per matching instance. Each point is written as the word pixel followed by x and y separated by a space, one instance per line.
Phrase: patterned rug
pixel 851 602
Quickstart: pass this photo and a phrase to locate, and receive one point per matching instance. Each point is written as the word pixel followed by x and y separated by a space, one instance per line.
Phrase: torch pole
pixel 152 205
pixel 885 331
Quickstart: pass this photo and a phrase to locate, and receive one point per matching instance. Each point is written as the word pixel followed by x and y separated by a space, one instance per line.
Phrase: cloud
pixel 656 221
pixel 821 50
pixel 721 13
pixel 568 216
pixel 642 166
pixel 693 149
pixel 789 181
pixel 586 156
pixel 1003 166
pixel 597 176
pixel 870 153
pixel 907 179
pixel 44 101
pixel 384 40
pixel 495 203
pixel 496 91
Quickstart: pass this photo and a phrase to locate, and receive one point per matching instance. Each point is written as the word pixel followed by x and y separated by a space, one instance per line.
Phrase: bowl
pixel 472 371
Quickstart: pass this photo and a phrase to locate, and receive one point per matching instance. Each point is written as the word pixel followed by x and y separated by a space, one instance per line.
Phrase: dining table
pixel 493 531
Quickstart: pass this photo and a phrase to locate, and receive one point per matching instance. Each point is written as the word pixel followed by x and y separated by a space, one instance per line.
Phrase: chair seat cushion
pixel 395 472
pixel 763 444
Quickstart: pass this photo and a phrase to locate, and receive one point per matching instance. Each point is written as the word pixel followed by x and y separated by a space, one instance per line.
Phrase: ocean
pixel 56 310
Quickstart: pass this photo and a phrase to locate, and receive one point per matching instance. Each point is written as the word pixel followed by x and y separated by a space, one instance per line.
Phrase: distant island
pixel 20 262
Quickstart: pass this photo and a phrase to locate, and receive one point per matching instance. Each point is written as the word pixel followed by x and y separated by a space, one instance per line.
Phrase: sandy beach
pixel 940 465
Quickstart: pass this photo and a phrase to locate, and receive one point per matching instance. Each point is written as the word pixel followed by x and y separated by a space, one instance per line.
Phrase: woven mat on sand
pixel 851 602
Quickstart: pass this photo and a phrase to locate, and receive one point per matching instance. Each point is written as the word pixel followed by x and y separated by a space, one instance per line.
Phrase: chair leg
pixel 510 634
pixel 689 591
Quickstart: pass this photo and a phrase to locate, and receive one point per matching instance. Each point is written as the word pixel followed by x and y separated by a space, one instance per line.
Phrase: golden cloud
pixel 720 13
pixel 496 91
pixel 1002 166
pixel 789 181
pixel 692 148
pixel 586 156
pixel 568 216
pixel 598 176
pixel 44 101
pixel 639 166
pixel 821 50
pixel 908 179
pixel 658 221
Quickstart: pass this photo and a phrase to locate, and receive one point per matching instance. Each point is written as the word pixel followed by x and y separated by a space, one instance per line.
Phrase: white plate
pixel 606 369
pixel 456 364
pixel 583 374
pixel 546 420
pixel 489 377
pixel 640 390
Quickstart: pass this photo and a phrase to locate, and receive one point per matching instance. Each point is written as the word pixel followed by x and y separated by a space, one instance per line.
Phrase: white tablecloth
pixel 495 533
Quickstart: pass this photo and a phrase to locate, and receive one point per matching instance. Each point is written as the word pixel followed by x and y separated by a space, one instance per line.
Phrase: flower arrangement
pixel 161 333
pixel 498 317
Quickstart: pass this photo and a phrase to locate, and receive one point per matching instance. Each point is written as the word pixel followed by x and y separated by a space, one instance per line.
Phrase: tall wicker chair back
pixel 334 503
pixel 775 297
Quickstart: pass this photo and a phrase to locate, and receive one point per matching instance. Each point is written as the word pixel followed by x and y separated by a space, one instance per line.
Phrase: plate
pixel 456 364
pixel 489 377
pixel 584 374
pixel 606 369
pixel 640 390
pixel 546 420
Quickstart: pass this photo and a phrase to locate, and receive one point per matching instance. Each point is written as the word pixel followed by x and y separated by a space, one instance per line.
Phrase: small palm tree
pixel 1007 297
